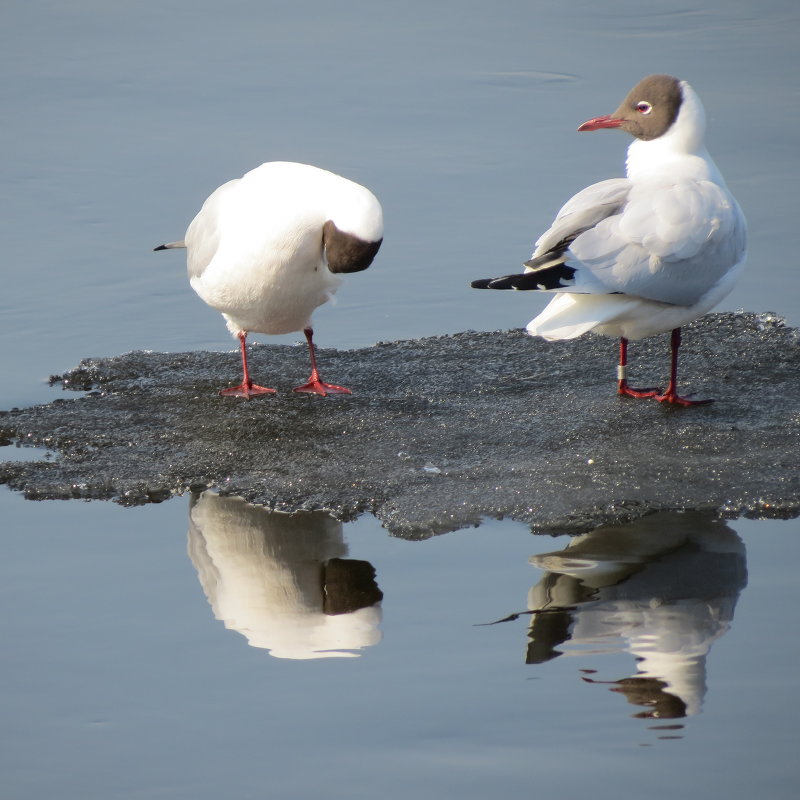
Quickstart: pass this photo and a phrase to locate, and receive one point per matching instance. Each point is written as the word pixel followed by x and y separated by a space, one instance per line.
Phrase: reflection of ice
pixel 282 580
pixel 663 588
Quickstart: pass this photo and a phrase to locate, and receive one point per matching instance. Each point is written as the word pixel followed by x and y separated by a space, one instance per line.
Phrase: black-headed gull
pixel 266 249
pixel 635 256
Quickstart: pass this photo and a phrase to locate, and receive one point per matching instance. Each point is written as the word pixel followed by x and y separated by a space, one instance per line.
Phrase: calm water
pixel 120 682
pixel 119 679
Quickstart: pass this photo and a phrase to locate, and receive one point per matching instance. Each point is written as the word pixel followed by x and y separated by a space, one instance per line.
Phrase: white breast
pixel 255 248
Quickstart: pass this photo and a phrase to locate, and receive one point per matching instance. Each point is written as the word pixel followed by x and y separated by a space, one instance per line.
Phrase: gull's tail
pixel 569 315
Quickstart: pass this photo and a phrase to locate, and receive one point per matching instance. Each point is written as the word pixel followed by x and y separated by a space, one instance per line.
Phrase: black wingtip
pixel 160 247
pixel 504 282
pixel 557 276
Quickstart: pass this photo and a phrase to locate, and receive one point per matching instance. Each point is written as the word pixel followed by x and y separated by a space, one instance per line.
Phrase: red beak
pixel 606 121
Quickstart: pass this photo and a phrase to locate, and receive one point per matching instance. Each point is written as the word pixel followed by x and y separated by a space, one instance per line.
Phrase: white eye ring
pixel 643 107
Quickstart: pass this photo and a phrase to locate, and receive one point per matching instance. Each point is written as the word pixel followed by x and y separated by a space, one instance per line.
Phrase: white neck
pixel 680 152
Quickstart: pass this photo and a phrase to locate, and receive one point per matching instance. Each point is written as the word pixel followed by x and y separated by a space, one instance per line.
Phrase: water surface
pixel 117 667
pixel 460 116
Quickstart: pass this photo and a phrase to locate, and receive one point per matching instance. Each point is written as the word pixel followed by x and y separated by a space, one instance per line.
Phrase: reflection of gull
pixel 664 588
pixel 281 580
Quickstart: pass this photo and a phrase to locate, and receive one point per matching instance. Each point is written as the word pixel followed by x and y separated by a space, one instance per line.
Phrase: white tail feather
pixel 568 315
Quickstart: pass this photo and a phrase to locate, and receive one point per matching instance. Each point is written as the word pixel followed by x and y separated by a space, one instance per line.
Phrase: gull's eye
pixel 643 107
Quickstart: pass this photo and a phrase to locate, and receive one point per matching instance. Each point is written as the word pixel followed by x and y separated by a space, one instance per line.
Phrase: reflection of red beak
pixel 606 121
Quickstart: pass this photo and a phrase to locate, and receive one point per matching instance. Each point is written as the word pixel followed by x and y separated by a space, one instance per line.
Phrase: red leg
pixel 622 370
pixel 247 388
pixel 315 385
pixel 671 395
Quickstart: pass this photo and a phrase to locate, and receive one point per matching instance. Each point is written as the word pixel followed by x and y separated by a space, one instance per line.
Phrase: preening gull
pixel 268 248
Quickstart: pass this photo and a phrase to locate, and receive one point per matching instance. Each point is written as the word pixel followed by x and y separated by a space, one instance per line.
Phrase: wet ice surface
pixel 439 431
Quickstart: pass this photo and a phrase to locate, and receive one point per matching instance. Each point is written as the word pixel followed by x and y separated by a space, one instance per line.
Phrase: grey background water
pixel 118 121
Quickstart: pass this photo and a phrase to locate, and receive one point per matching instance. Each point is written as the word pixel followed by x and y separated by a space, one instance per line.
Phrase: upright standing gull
pixel 266 249
pixel 635 256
